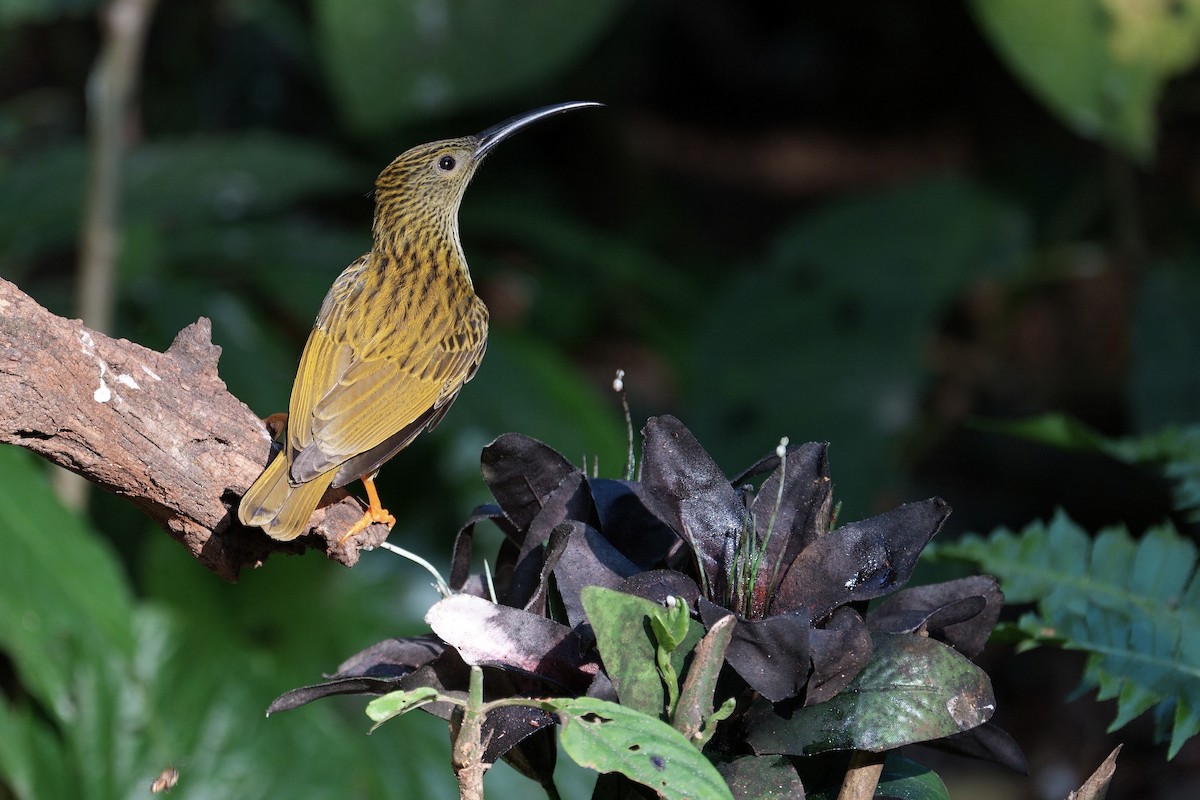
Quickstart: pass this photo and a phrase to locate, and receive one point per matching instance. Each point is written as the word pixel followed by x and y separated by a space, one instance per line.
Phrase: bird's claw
pixel 371 516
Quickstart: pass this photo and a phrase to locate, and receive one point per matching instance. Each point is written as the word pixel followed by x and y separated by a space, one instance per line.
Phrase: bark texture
pixel 158 428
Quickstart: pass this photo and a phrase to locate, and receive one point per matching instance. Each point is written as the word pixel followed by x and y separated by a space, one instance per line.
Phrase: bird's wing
pixel 460 355
pixel 344 404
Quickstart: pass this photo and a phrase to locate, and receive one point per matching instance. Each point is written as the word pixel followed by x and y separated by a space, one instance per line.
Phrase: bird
pixel 396 338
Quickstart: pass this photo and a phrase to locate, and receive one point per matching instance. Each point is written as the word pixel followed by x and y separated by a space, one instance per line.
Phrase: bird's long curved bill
pixel 498 133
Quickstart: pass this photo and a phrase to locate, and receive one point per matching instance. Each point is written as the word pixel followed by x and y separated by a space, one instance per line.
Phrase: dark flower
pixel 797 585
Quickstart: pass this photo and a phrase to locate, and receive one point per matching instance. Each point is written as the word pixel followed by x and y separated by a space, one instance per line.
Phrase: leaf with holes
pixel 608 737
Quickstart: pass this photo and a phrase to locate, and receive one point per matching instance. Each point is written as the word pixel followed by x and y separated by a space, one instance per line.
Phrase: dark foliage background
pixel 859 224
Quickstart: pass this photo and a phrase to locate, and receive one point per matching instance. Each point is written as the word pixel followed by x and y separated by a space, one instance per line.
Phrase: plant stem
pixel 468 742
pixel 442 588
pixel 862 776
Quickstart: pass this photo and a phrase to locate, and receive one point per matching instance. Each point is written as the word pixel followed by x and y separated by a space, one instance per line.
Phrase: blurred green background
pixel 862 223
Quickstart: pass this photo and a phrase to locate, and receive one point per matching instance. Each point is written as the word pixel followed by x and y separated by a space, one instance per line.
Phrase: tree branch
pixel 158 428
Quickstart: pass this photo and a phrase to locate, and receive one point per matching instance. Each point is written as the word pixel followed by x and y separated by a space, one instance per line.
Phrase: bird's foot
pixel 372 515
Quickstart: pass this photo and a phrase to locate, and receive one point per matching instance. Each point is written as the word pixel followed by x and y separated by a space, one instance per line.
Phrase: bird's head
pixel 428 181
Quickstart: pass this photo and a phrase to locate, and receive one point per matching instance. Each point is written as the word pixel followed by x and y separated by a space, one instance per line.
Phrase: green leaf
pixel 608 737
pixel 1133 605
pixel 63 596
pixel 627 647
pixel 1100 65
pixel 671 627
pixel 393 61
pixel 1182 466
pixel 33 761
pixel 913 689
pixel 1057 430
pixel 393 704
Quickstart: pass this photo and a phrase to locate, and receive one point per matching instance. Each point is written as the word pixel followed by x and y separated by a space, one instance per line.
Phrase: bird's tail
pixel 280 509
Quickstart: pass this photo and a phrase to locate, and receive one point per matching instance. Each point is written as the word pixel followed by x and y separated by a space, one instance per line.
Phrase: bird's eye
pixel 446 163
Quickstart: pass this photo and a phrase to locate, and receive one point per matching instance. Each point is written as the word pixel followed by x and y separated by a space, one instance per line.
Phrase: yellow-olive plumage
pixel 397 336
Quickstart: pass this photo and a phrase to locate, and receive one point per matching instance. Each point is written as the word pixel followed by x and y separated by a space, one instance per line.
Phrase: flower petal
pixel 686 489
pixel 861 560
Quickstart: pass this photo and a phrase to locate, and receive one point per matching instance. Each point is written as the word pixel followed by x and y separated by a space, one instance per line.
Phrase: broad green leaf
pixel 394 61
pixel 1101 65
pixel 913 689
pixel 1132 605
pixel 63 596
pixel 608 737
pixel 33 761
pixel 393 704
pixel 627 646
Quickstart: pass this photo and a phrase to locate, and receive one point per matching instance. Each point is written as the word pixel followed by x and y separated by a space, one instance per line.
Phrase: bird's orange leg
pixel 375 512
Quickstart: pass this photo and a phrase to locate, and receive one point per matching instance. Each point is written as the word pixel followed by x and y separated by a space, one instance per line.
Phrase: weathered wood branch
pixel 158 428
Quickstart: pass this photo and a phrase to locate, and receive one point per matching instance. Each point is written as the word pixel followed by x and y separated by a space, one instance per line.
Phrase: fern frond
pixel 1132 605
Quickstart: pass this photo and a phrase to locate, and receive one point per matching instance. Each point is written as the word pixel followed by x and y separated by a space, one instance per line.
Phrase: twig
pixel 158 428
pixel 862 776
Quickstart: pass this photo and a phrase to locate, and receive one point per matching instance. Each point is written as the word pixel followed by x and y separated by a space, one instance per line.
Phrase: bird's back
pixel 397 337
